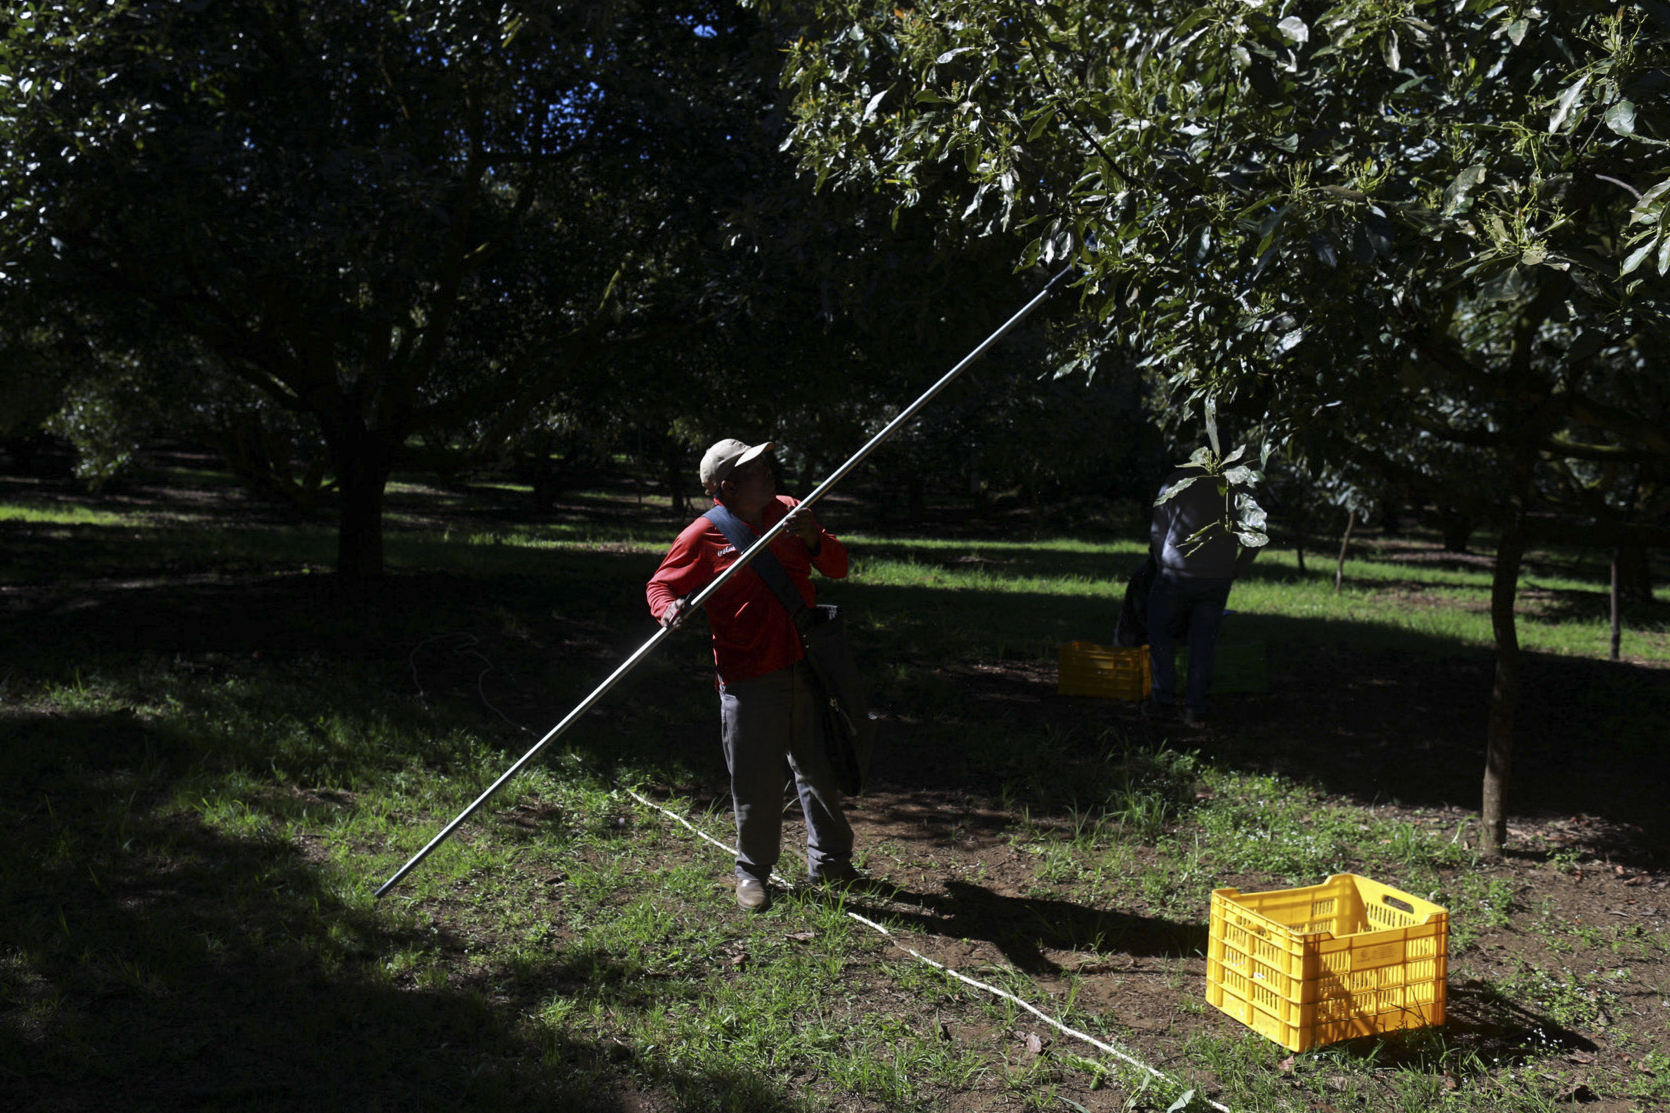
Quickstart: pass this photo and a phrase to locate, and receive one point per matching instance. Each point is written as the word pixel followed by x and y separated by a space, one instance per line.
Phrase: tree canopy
pixel 1428 239
pixel 367 225
pixel 1291 205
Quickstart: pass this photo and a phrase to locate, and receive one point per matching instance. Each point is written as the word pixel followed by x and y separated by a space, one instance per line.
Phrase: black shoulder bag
pixel 848 732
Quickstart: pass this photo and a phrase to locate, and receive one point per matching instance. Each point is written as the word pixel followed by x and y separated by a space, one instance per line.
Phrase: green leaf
pixel 1200 243
pixel 1517 29
pixel 1621 117
pixel 1637 256
pixel 1031 254
pixel 1192 20
pixel 1562 107
pixel 928 96
pixel 1039 125
pixel 1294 28
pixel 1389 51
pixel 1181 1103
pixel 1455 194
pixel 1268 228
pixel 1241 476
pixel 875 103
pixel 1324 249
pixel 1212 424
pixel 1651 204
pixel 1178 488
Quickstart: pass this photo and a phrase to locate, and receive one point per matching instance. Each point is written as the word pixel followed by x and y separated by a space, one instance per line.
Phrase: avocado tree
pixel 368 226
pixel 1358 225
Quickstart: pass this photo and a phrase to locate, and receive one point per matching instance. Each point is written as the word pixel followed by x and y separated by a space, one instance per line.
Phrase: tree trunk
pixel 672 474
pixel 1456 528
pixel 1635 582
pixel 1617 623
pixel 916 498
pixel 1344 547
pixel 1391 515
pixel 362 472
pixel 1504 694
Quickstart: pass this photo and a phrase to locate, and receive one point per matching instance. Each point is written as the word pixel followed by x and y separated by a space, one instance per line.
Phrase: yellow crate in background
pixel 1313 966
pixel 1086 669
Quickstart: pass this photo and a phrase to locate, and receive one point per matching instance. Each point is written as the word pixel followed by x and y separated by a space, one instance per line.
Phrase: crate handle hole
pixel 1400 905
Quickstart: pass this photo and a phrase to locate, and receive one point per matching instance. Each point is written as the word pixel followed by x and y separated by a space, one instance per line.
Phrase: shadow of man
pixel 1024 929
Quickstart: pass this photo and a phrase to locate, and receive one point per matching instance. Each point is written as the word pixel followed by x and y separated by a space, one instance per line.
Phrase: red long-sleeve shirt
pixel 752 633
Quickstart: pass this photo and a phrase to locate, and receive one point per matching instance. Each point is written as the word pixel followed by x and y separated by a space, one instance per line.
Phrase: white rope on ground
pixel 994 990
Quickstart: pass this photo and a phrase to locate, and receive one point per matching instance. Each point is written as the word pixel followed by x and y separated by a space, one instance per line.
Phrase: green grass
pixel 57 515
pixel 196 820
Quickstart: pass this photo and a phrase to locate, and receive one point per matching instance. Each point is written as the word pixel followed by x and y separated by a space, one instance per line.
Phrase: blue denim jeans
pixel 1203 601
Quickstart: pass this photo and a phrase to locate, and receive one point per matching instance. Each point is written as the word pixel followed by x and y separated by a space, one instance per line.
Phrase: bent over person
pixel 768 705
pixel 1197 565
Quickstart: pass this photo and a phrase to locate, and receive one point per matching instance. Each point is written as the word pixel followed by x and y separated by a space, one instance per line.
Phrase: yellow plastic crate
pixel 1313 966
pixel 1116 672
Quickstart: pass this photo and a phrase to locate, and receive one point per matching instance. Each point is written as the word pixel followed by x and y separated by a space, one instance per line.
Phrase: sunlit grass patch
pixel 59 515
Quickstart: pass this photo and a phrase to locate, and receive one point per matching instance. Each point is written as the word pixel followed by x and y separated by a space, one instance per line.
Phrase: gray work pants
pixel 765 720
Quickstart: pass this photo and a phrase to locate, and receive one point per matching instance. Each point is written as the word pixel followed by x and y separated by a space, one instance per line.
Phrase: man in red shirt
pixel 767 694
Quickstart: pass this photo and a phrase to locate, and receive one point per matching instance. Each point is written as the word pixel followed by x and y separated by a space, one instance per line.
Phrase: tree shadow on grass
pixel 1367 711
pixel 1364 710
pixel 154 962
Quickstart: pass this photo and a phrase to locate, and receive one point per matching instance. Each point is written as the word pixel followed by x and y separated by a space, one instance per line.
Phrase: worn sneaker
pixel 751 895
pixel 1190 719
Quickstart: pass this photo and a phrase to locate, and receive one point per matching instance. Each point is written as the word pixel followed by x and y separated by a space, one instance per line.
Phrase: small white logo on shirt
pixel 728 550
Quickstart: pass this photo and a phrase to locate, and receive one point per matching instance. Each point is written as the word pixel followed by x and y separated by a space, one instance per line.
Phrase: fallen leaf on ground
pixel 1286 1065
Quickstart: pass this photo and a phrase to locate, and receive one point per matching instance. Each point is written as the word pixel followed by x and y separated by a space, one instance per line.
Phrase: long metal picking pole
pixel 701 596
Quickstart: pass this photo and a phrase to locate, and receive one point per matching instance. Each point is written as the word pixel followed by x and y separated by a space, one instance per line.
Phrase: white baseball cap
pixel 725 457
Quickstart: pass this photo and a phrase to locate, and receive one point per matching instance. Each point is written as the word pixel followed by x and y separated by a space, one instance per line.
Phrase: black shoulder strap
pixel 739 535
